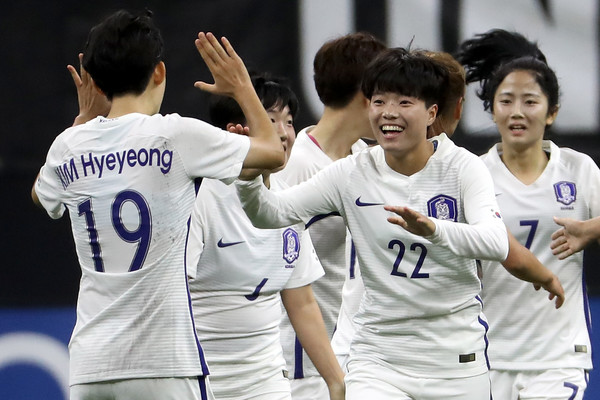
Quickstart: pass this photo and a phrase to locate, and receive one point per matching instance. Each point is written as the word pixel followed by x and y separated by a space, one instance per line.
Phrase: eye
pixel 272 120
pixel 290 122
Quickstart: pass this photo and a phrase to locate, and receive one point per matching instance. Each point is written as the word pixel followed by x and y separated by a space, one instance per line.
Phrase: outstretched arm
pixel 573 236
pixel 485 239
pixel 520 262
pixel 524 265
pixel 232 79
pixel 305 316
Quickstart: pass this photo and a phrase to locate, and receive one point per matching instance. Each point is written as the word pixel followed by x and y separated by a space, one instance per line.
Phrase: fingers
pixel 74 75
pixel 560 300
pixel 398 221
pixel 211 50
pixel 559 221
pixel 204 86
pixel 557 233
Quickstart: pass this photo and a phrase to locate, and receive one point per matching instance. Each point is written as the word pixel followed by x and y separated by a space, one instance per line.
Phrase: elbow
pixel 278 159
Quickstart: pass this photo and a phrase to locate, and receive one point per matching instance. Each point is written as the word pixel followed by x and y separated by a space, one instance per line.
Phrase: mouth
pixel 517 128
pixel 391 130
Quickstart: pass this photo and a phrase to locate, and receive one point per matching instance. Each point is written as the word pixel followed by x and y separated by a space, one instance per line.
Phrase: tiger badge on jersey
pixel 566 192
pixel 442 207
pixel 291 245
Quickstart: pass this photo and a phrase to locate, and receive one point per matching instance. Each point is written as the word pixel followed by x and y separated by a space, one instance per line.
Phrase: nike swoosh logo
pixel 498 194
pixel 361 204
pixel 227 244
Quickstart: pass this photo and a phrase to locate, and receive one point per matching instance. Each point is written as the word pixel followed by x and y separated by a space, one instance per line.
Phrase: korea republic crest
pixel 442 207
pixel 291 245
pixel 566 192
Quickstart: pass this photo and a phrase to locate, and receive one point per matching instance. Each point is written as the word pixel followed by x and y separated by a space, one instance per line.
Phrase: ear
pixel 458 109
pixel 552 116
pixel 160 73
pixel 432 111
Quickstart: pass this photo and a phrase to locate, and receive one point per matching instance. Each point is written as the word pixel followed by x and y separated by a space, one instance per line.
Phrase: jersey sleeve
pixel 49 184
pixel 198 223
pixel 591 174
pixel 318 195
pixel 308 267
pixel 484 235
pixel 209 151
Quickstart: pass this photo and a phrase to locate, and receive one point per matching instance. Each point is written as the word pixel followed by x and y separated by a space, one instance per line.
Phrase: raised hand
pixel 92 102
pixel 227 68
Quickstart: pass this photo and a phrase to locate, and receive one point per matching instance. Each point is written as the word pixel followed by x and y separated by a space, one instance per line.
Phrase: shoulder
pixel 447 151
pixel 569 157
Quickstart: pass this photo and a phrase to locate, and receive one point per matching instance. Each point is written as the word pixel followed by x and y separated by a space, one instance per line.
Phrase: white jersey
pixel 328 234
pixel 352 293
pixel 128 184
pixel 526 331
pixel 235 296
pixel 420 312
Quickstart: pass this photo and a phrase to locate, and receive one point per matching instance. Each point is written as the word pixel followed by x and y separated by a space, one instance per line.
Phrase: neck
pixel 525 164
pixel 130 103
pixel 410 162
pixel 339 129
pixel 267 179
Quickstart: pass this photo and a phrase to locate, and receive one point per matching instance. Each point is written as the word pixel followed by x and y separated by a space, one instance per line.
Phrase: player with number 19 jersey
pixel 526 331
pixel 129 195
pixel 235 295
pixel 421 312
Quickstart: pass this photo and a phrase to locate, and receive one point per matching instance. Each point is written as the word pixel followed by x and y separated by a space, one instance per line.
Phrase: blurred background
pixel 39 274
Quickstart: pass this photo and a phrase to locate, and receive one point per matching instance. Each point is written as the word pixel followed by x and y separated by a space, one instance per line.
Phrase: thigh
pixel 368 380
pixel 196 388
pixel 505 384
pixel 467 388
pixel 310 388
pixel 555 384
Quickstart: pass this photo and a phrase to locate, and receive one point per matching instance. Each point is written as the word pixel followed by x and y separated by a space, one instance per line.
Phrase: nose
pixel 516 110
pixel 390 112
pixel 280 129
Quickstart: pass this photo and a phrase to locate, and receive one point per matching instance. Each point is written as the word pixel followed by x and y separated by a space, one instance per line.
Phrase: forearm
pixel 485 241
pixel 306 318
pixel 262 207
pixel 270 152
pixel 591 229
pixel 524 265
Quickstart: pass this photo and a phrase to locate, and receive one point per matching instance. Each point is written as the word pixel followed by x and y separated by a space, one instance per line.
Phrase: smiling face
pixel 399 122
pixel 283 121
pixel 520 111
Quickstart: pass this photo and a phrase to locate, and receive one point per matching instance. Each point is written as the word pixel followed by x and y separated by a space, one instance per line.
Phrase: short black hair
pixel 410 73
pixel 273 92
pixel 339 66
pixel 122 51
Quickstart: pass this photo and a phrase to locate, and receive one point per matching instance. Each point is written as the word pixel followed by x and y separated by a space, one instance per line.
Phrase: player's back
pixel 128 184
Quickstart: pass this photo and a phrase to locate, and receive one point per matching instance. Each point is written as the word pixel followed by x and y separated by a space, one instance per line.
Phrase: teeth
pixel 391 128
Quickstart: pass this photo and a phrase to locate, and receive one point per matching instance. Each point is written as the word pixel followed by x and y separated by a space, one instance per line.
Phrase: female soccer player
pixel 421 333
pixel 242 271
pixel 535 351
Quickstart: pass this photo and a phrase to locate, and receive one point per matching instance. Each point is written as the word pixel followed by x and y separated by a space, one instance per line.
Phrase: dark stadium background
pixel 39 269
